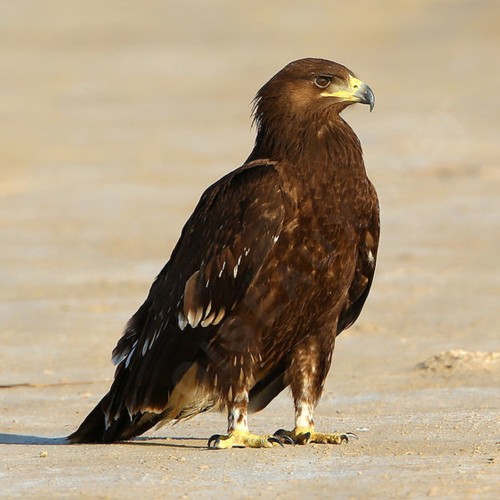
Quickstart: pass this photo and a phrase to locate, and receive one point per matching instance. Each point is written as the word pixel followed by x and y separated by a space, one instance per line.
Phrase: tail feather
pixel 118 416
pixel 94 430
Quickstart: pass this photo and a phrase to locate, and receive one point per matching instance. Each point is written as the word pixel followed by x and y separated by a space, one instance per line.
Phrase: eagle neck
pixel 330 146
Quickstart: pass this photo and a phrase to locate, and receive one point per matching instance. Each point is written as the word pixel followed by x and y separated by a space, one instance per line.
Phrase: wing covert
pixel 221 248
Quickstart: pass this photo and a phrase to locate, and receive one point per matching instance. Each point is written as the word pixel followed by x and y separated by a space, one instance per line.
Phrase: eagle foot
pixel 305 436
pixel 242 439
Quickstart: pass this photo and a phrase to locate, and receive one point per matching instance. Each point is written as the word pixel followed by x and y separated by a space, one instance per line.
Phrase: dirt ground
pixel 116 115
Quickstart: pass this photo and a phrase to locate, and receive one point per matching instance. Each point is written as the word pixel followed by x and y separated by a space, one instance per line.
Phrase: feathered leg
pixel 238 434
pixel 307 373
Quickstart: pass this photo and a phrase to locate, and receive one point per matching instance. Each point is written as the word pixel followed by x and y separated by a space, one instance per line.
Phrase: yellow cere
pixel 345 93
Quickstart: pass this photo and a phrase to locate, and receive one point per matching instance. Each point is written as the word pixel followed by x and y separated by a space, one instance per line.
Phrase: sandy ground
pixel 116 115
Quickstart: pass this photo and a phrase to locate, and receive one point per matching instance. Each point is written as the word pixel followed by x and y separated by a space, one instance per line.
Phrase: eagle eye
pixel 322 81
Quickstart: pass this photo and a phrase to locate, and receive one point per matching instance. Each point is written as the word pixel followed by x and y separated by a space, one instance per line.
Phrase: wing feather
pixel 221 249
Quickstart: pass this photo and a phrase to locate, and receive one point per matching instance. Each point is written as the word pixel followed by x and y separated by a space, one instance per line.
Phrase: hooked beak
pixel 365 95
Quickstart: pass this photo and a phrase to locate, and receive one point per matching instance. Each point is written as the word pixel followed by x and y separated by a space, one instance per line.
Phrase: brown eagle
pixel 276 260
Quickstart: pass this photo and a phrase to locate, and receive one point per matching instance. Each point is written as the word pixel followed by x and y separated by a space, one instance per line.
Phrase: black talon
pixel 300 439
pixel 287 439
pixel 274 439
pixel 215 438
pixel 347 435
pixel 281 434
pixel 306 437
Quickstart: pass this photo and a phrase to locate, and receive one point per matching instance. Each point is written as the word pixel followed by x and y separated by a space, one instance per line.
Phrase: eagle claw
pixel 244 439
pixel 296 439
pixel 215 439
pixel 288 440
pixel 304 436
pixel 347 435
pixel 275 439
pixel 284 437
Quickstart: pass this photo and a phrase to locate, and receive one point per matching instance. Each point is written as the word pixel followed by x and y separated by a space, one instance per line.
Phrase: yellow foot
pixel 242 439
pixel 304 435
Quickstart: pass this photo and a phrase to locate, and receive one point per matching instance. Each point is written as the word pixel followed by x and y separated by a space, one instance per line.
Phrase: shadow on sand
pixel 22 439
pixel 141 441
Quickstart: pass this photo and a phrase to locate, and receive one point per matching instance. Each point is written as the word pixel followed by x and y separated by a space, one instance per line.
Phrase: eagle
pixel 276 260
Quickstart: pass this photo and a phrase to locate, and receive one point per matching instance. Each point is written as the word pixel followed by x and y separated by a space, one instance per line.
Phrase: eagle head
pixel 300 99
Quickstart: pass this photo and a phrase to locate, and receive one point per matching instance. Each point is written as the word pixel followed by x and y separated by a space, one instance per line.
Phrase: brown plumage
pixel 276 260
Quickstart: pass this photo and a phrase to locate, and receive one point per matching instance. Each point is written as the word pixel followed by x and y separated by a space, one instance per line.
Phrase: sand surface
pixel 116 115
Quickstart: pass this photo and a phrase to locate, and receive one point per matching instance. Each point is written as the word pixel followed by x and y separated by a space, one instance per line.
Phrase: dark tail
pixel 94 430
